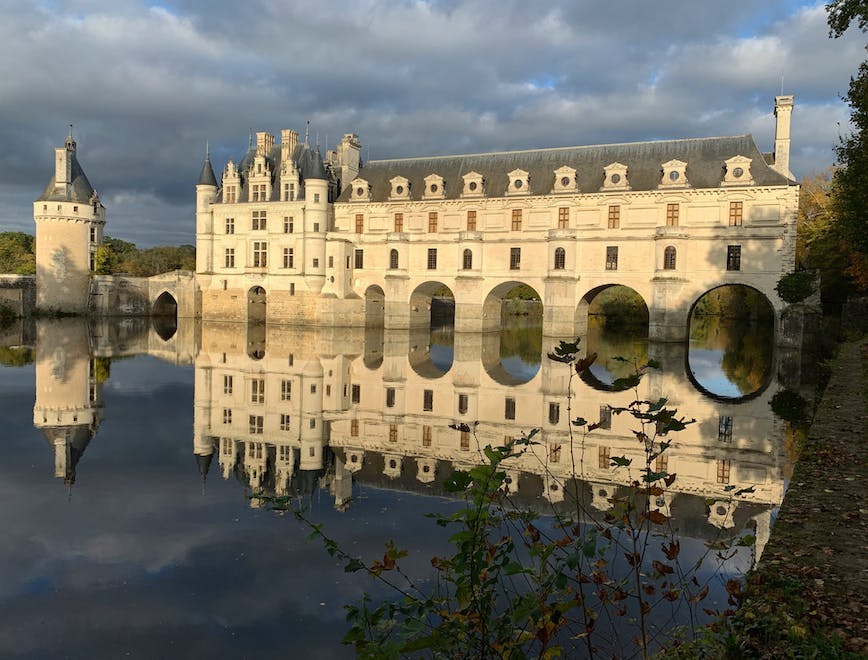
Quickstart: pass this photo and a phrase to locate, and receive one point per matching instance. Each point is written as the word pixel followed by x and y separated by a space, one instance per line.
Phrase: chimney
pixel 783 111
pixel 264 143
pixel 63 163
pixel 288 142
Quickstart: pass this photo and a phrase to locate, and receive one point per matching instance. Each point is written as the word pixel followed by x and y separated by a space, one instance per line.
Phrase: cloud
pixel 147 85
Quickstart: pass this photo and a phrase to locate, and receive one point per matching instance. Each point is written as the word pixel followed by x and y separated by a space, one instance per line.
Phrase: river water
pixel 139 462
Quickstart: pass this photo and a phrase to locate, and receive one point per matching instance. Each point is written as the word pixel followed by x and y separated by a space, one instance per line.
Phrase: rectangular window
pixel 227 416
pixel 257 390
pixel 312 422
pixel 230 225
pixel 288 192
pixel 93 234
pixel 514 258
pixel 724 428
pixel 563 217
pixel 285 390
pixel 260 254
pixel 258 222
pixel 509 408
pixel 229 258
pixel 428 400
pixel 399 222
pixel 611 258
pixel 723 470
pixel 516 220
pixel 229 194
pixel 354 428
pixel 292 288
pixel 227 384
pixel 614 216
pixel 605 417
pixel 390 397
pixel 672 215
pixel 462 404
pixel 603 458
pixel 288 257
pixel 661 463
pixel 360 223
pixel 736 211
pixel 284 422
pixel 432 222
pixel 316 198
pixel 555 454
pixel 465 440
pixel 733 257
pixel 554 413
pixel 313 388
pixel 314 262
pixel 357 394
pixel 393 433
pixel 359 259
pixel 426 436
pixel 256 424
pixel 432 258
pixel 316 226
pixel 288 224
pixel 471 221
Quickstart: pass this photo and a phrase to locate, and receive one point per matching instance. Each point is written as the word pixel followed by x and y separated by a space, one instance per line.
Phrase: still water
pixel 136 462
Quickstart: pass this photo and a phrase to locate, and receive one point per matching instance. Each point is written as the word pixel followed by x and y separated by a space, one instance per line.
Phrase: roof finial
pixel 782 83
pixel 307 134
pixel 207 151
pixel 317 140
pixel 250 138
pixel 70 132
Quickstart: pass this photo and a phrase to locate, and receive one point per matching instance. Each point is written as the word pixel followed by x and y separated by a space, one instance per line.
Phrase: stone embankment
pixel 809 595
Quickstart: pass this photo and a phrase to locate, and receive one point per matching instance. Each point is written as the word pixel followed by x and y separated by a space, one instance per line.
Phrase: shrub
pixel 795 287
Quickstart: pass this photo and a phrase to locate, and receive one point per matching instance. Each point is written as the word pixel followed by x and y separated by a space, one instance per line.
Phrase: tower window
pixel 393 259
pixel 432 258
pixel 560 258
pixel 462 404
pixel 672 215
pixel 432 222
pixel 611 257
pixel 669 258
pixel 509 408
pixel 467 260
pixel 605 417
pixel 471 221
pixel 514 258
pixel 516 220
pixel 736 211
pixel 614 216
pixel 399 222
pixel 390 397
pixel 563 217
pixel 428 400
pixel 733 257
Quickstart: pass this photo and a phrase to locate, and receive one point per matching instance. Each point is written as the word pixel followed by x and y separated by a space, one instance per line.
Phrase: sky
pixel 146 86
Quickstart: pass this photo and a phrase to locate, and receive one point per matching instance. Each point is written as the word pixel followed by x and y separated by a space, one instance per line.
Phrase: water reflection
pixel 619 350
pixel 347 416
pixel 731 358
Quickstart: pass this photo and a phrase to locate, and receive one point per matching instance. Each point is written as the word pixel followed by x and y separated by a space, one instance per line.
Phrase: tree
pixel 17 253
pixel 850 182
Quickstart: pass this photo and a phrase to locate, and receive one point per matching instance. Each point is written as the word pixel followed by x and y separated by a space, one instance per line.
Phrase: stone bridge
pixel 169 294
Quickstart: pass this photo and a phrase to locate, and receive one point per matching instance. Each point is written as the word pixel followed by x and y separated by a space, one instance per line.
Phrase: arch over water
pixel 257 305
pixel 432 351
pixel 503 302
pixel 731 352
pixel 620 308
pixel 432 303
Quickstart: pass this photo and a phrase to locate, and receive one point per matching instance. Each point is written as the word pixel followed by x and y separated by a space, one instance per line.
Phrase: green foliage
pixel 790 406
pixel 102 368
pixel 621 306
pixel 124 257
pixel 522 292
pixel 734 301
pixel 795 287
pixel 17 253
pixel 517 585
pixel 843 12
pixel 105 260
pixel 17 356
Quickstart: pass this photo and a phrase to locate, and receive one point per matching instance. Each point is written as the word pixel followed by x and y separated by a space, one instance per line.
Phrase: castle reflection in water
pixel 288 411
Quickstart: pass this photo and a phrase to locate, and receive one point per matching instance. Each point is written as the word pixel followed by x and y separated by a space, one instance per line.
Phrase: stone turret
pixel 206 193
pixel 69 221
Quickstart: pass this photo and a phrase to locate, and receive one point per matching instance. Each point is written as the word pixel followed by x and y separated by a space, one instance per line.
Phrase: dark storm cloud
pixel 147 85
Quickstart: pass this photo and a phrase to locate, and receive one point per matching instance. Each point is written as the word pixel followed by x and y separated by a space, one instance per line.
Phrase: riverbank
pixel 808 598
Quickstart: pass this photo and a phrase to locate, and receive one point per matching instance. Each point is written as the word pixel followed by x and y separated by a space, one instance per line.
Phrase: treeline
pixel 18 256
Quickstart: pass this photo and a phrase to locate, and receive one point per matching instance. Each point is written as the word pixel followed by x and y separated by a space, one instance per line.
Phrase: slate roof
pixel 79 191
pixel 206 176
pixel 309 163
pixel 704 157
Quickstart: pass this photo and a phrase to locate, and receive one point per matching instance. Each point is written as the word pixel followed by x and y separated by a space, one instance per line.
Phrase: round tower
pixel 206 193
pixel 69 221
pixel 316 219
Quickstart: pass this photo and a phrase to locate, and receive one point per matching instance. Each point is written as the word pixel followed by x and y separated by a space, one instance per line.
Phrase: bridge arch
pixel 164 315
pixel 257 304
pixel 493 307
pixel 429 298
pixel 375 306
pixel 583 309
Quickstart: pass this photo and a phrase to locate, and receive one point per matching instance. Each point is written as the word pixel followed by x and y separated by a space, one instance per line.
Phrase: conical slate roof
pixel 206 176
pixel 80 190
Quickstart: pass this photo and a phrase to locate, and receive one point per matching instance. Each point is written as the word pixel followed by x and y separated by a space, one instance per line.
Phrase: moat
pixel 140 460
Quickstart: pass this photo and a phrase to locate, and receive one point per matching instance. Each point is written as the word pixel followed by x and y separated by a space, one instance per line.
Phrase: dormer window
pixel 361 190
pixel 400 188
pixel 434 187
pixel 737 172
pixel 565 180
pixel 615 177
pixel 519 183
pixel 474 185
pixel 674 174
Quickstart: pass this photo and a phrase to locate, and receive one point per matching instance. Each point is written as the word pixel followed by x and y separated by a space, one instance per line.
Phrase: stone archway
pixel 164 316
pixel 375 306
pixel 502 300
pixel 257 305
pixel 586 307
pixel 432 303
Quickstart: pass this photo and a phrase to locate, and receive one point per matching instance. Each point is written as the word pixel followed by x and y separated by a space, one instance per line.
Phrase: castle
pixel 287 236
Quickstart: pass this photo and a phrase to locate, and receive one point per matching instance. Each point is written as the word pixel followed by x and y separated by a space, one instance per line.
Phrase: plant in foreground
pixel 518 583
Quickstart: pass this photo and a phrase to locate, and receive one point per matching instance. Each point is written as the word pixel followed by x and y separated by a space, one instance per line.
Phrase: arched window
pixel 393 259
pixel 560 259
pixel 467 262
pixel 669 258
